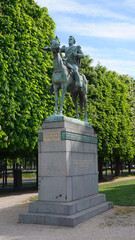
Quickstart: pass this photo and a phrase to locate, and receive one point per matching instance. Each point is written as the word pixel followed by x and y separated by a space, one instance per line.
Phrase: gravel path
pixel 117 223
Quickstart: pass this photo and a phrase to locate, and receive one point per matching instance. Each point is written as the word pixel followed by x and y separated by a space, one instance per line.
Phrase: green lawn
pixel 24 175
pixel 33 199
pixel 121 193
pixel 28 175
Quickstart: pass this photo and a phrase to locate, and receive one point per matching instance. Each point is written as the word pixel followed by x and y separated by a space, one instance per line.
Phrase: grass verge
pixel 33 199
pixel 120 193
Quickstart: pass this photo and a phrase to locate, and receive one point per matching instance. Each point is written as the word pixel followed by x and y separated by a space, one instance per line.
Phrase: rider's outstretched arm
pixel 63 49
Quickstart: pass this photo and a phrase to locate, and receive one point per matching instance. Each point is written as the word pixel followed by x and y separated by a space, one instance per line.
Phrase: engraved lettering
pixel 51 136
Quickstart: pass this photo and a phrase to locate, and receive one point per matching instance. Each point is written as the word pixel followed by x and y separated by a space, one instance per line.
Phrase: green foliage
pixel 121 193
pixel 69 108
pixel 28 175
pixel 110 111
pixel 33 199
pixel 3 138
pixel 25 72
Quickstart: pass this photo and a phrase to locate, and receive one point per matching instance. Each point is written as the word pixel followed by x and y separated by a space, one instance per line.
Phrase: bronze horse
pixel 63 78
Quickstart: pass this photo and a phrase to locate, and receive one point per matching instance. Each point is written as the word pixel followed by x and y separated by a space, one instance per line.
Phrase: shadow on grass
pixel 122 195
pixel 110 178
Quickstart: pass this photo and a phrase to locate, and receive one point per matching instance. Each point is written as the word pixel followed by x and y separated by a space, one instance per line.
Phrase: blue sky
pixel 104 29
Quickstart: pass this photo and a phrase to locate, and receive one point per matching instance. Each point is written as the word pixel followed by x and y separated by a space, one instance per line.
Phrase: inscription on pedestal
pixel 78 137
pixel 51 136
pixel 82 162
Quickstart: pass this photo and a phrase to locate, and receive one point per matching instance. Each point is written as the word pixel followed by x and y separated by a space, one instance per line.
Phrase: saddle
pixel 69 67
pixel 71 71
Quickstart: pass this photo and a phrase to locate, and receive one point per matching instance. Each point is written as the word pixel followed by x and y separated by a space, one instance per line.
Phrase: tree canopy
pixel 110 110
pixel 25 72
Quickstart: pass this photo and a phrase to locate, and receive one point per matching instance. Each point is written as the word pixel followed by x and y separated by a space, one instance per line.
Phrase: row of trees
pixel 25 72
pixel 111 110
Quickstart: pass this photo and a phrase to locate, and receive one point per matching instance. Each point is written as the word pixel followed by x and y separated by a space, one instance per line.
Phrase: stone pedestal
pixel 68 175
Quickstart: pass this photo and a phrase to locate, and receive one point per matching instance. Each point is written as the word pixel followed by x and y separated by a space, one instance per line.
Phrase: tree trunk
pixel 106 169
pixel 117 162
pixel 3 179
pixel 24 163
pixel 100 167
pixel 111 167
pixel 5 172
pixel 129 167
pixel 14 171
pixel 121 168
pixel 34 164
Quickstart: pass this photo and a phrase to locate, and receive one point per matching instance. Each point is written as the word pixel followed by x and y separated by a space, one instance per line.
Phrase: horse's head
pixel 55 45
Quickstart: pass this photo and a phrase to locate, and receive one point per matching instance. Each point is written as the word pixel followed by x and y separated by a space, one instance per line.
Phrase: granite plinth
pixel 67 160
pixel 65 214
pixel 68 174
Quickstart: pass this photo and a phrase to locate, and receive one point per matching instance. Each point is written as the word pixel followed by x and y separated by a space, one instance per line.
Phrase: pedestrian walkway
pixel 110 225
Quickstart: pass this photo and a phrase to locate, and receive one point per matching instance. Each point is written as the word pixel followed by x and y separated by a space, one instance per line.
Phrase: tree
pixel 25 72
pixel 109 112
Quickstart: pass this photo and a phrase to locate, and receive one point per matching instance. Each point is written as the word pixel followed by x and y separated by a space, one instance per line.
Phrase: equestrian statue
pixel 66 75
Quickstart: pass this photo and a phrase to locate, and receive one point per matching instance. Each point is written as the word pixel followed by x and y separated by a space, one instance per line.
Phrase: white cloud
pixel 122 53
pixel 103 30
pixel 100 19
pixel 129 3
pixel 73 7
pixel 109 58
pixel 119 66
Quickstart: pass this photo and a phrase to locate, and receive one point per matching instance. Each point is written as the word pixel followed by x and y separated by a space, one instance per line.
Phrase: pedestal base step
pixel 67 219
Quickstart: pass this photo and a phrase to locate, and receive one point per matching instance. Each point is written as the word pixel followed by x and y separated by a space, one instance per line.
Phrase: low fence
pixel 17 179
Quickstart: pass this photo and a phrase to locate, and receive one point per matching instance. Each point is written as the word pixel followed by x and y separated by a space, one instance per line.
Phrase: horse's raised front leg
pixel 64 88
pixel 56 92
